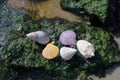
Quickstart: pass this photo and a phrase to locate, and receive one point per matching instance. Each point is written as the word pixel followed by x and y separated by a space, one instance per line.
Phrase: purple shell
pixel 68 37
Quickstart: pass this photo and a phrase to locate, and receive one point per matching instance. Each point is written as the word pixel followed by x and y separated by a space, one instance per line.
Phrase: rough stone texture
pixel 55 68
pixel 103 13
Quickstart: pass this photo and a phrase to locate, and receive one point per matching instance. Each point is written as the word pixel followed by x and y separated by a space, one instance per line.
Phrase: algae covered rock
pixel 96 7
pixel 21 51
pixel 21 58
pixel 101 12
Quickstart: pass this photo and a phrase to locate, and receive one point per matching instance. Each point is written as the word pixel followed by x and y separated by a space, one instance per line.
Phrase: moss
pixel 103 13
pixel 4 71
pixel 20 51
pixel 96 7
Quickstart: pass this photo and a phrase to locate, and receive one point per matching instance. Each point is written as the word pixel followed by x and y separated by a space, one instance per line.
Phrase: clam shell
pixel 86 48
pixel 39 36
pixel 67 52
pixel 50 51
pixel 68 37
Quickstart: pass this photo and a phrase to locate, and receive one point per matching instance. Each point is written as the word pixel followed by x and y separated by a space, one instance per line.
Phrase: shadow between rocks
pixel 37 1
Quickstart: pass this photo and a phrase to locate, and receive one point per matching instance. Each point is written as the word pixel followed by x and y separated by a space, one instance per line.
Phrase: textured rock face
pixel 26 53
pixel 19 51
pixel 100 12
pixel 97 7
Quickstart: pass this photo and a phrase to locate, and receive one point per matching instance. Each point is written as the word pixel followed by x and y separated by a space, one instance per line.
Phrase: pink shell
pixel 68 37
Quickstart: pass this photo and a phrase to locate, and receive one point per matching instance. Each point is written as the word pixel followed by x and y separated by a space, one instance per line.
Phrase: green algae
pixel 25 55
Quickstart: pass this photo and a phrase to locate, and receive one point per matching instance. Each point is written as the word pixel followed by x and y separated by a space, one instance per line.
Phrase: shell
pixel 50 51
pixel 67 52
pixel 39 36
pixel 68 37
pixel 85 48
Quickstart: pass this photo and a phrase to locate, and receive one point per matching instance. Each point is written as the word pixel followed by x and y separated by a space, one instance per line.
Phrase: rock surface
pixel 103 13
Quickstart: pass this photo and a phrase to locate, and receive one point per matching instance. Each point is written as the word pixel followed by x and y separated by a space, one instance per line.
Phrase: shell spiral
pixel 39 36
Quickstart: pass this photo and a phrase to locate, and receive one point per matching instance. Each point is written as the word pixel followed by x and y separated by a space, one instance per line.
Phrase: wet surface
pixel 45 9
pixel 111 74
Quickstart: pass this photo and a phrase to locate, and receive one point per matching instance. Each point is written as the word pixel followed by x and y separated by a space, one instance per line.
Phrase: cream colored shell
pixel 85 48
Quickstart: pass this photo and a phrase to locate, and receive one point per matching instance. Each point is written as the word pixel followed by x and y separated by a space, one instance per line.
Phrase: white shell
pixel 39 36
pixel 67 53
pixel 85 48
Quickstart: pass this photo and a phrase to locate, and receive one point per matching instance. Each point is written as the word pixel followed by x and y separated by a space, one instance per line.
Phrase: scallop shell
pixel 85 48
pixel 67 52
pixel 50 51
pixel 39 36
pixel 68 37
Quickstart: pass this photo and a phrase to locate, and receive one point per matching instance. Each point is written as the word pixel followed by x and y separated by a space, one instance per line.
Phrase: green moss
pixel 21 51
pixel 103 13
pixel 4 71
pixel 95 7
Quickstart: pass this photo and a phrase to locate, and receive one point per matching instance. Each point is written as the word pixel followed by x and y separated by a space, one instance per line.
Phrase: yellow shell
pixel 50 51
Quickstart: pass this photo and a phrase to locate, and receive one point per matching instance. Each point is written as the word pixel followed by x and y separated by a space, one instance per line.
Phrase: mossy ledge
pixel 103 13
pixel 21 51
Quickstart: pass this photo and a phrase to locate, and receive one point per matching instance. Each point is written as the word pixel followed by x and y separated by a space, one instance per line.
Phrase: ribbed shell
pixel 50 51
